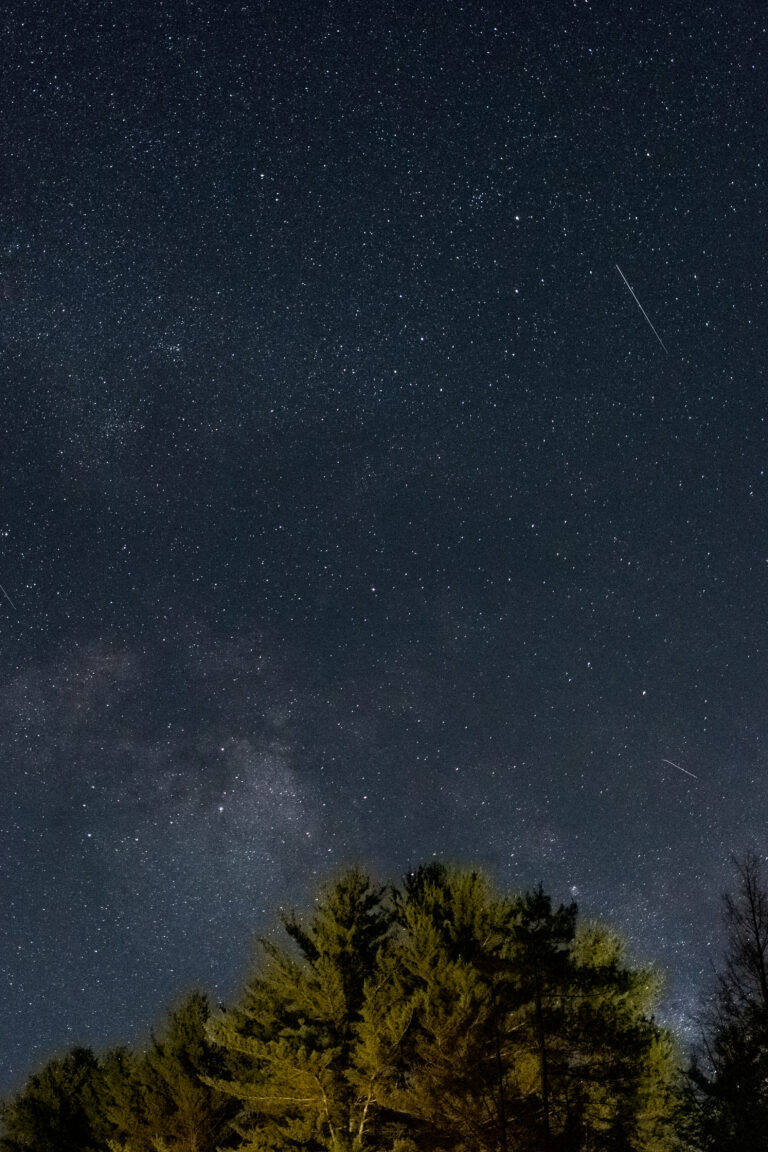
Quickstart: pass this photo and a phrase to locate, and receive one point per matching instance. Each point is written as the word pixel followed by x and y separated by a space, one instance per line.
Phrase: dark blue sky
pixel 351 509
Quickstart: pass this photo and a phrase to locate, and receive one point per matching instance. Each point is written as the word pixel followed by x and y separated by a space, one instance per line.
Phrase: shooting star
pixel 7 597
pixel 679 767
pixel 649 324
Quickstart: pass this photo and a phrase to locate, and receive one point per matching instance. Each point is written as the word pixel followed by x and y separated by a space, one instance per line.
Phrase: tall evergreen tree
pixel 540 969
pixel 446 1017
pixel 161 1100
pixel 57 1110
pixel 292 1040
pixel 431 1035
pixel 614 1071
pixel 728 1104
pixel 509 1029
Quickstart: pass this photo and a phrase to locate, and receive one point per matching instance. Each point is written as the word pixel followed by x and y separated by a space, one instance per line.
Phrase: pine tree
pixel 504 1027
pixel 292 1040
pixel 539 964
pixel 57 1110
pixel 121 1101
pixel 160 1100
pixel 615 1072
pixel 446 1017
pixel 430 1038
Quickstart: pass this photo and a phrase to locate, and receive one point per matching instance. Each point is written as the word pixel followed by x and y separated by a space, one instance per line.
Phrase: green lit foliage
pixel 496 1025
pixel 443 1017
pixel 432 1029
pixel 159 1101
pixel 292 1041
pixel 614 1071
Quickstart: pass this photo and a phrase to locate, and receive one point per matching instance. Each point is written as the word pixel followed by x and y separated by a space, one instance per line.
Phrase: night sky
pixel 352 509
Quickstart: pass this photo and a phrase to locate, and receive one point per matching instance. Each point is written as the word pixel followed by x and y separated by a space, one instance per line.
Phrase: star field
pixel 351 509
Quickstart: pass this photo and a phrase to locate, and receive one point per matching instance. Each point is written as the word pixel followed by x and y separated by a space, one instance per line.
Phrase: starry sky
pixel 352 509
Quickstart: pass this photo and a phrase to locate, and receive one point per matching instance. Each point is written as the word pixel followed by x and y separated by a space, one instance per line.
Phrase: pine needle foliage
pixel 504 1027
pixel 57 1111
pixel 292 1040
pixel 160 1100
pixel 441 1016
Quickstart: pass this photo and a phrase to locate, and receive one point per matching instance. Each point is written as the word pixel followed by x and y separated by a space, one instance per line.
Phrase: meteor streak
pixel 665 761
pixel 652 330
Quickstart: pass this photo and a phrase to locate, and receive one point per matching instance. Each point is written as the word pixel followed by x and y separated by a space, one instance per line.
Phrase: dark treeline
pixel 441 1016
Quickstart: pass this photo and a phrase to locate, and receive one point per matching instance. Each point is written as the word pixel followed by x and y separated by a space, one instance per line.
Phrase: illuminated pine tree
pixel 160 1100
pixel 292 1040
pixel 501 1026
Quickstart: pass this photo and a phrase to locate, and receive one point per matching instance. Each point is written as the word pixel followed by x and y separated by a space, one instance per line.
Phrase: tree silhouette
pixel 729 1077
pixel 57 1111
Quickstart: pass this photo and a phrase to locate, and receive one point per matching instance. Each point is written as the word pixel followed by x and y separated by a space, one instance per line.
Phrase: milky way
pixel 350 510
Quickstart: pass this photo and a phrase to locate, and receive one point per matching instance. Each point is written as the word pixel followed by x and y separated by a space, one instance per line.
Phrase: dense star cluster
pixel 352 509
